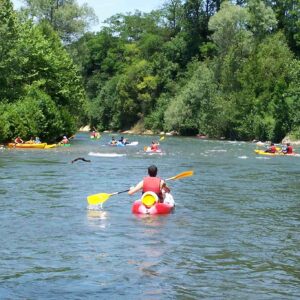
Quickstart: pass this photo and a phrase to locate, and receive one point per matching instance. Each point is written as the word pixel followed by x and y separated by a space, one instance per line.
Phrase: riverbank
pixel 138 129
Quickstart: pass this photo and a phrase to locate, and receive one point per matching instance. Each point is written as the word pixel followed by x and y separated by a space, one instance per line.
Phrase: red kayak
pixel 156 208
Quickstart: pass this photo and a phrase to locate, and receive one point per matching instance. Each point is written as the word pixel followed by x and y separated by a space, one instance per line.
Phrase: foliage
pixel 40 85
pixel 68 19
pixel 223 68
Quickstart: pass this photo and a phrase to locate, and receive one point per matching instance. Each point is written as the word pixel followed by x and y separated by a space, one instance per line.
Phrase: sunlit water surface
pixel 234 233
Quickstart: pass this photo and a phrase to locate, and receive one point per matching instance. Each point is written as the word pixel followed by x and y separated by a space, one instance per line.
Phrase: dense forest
pixel 220 68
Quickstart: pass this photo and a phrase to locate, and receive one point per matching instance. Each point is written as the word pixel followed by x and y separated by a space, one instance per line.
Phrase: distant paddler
pixel 271 149
pixel 64 141
pixel 18 140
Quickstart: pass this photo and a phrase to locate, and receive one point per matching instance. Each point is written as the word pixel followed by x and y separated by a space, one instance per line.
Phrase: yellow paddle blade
pixel 182 175
pixel 97 198
pixel 162 138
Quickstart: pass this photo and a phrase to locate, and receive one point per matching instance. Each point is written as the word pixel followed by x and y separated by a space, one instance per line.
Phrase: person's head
pixel 113 138
pixel 152 171
pixel 122 138
pixel 64 137
pixel 272 144
pixel 288 144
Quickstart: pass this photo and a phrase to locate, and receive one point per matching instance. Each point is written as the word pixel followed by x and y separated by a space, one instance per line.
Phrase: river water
pixel 234 233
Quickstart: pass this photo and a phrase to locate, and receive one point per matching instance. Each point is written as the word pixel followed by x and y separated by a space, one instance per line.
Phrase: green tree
pixel 193 109
pixel 9 35
pixel 67 17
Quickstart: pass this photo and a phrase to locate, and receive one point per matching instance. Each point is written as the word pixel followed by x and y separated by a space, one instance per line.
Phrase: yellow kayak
pixel 262 152
pixel 50 146
pixel 27 146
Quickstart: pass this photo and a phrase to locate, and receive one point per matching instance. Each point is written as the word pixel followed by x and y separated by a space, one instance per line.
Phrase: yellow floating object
pixel 149 199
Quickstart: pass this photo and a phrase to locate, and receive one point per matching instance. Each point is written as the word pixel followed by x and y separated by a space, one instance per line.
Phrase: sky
pixel 107 8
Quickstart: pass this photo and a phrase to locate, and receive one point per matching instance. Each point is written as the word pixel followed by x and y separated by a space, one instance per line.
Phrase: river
pixel 234 233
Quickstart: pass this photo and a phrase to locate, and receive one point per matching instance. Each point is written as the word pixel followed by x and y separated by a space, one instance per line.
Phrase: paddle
pixel 101 198
pixel 97 199
pixel 162 138
pixel 181 175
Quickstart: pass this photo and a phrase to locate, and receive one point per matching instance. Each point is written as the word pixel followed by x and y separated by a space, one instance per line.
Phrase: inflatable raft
pixel 148 205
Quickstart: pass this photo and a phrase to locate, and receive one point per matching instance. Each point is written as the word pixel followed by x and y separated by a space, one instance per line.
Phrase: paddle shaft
pixel 116 193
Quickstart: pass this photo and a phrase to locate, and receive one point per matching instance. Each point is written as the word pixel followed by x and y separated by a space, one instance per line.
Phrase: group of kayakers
pixel 37 140
pixel 121 141
pixel 286 149
pixel 32 140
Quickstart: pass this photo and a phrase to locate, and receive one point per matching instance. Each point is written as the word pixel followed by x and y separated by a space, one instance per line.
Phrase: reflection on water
pixel 234 234
pixel 97 214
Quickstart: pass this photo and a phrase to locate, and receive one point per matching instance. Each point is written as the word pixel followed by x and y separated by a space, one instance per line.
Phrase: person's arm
pixel 164 186
pixel 137 188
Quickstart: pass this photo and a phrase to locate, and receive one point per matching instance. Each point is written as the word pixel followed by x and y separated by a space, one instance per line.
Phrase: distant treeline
pixel 221 68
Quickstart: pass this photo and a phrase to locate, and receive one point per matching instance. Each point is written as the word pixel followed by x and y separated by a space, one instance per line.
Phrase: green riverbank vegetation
pixel 220 68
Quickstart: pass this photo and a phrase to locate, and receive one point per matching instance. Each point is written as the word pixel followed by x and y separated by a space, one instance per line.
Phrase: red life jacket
pixel 289 150
pixel 154 147
pixel 273 149
pixel 152 184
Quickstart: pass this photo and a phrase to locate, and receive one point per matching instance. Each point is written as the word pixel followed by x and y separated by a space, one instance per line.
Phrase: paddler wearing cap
pixel 65 140
pixel 151 185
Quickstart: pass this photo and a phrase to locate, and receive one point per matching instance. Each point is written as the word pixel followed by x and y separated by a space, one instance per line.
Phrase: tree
pixel 9 35
pixel 68 18
pixel 193 109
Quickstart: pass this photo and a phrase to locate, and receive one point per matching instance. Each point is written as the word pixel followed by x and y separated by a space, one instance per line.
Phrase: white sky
pixel 107 8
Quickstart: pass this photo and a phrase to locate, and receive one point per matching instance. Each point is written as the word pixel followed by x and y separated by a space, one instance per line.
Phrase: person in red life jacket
pixel 18 140
pixel 151 183
pixel 154 146
pixel 271 149
pixel 288 149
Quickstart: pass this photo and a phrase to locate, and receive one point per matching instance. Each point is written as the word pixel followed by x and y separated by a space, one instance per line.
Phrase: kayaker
pixel 37 140
pixel 113 141
pixel 287 149
pixel 123 141
pixel 31 141
pixel 154 146
pixel 151 183
pixel 271 149
pixel 18 140
pixel 65 140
